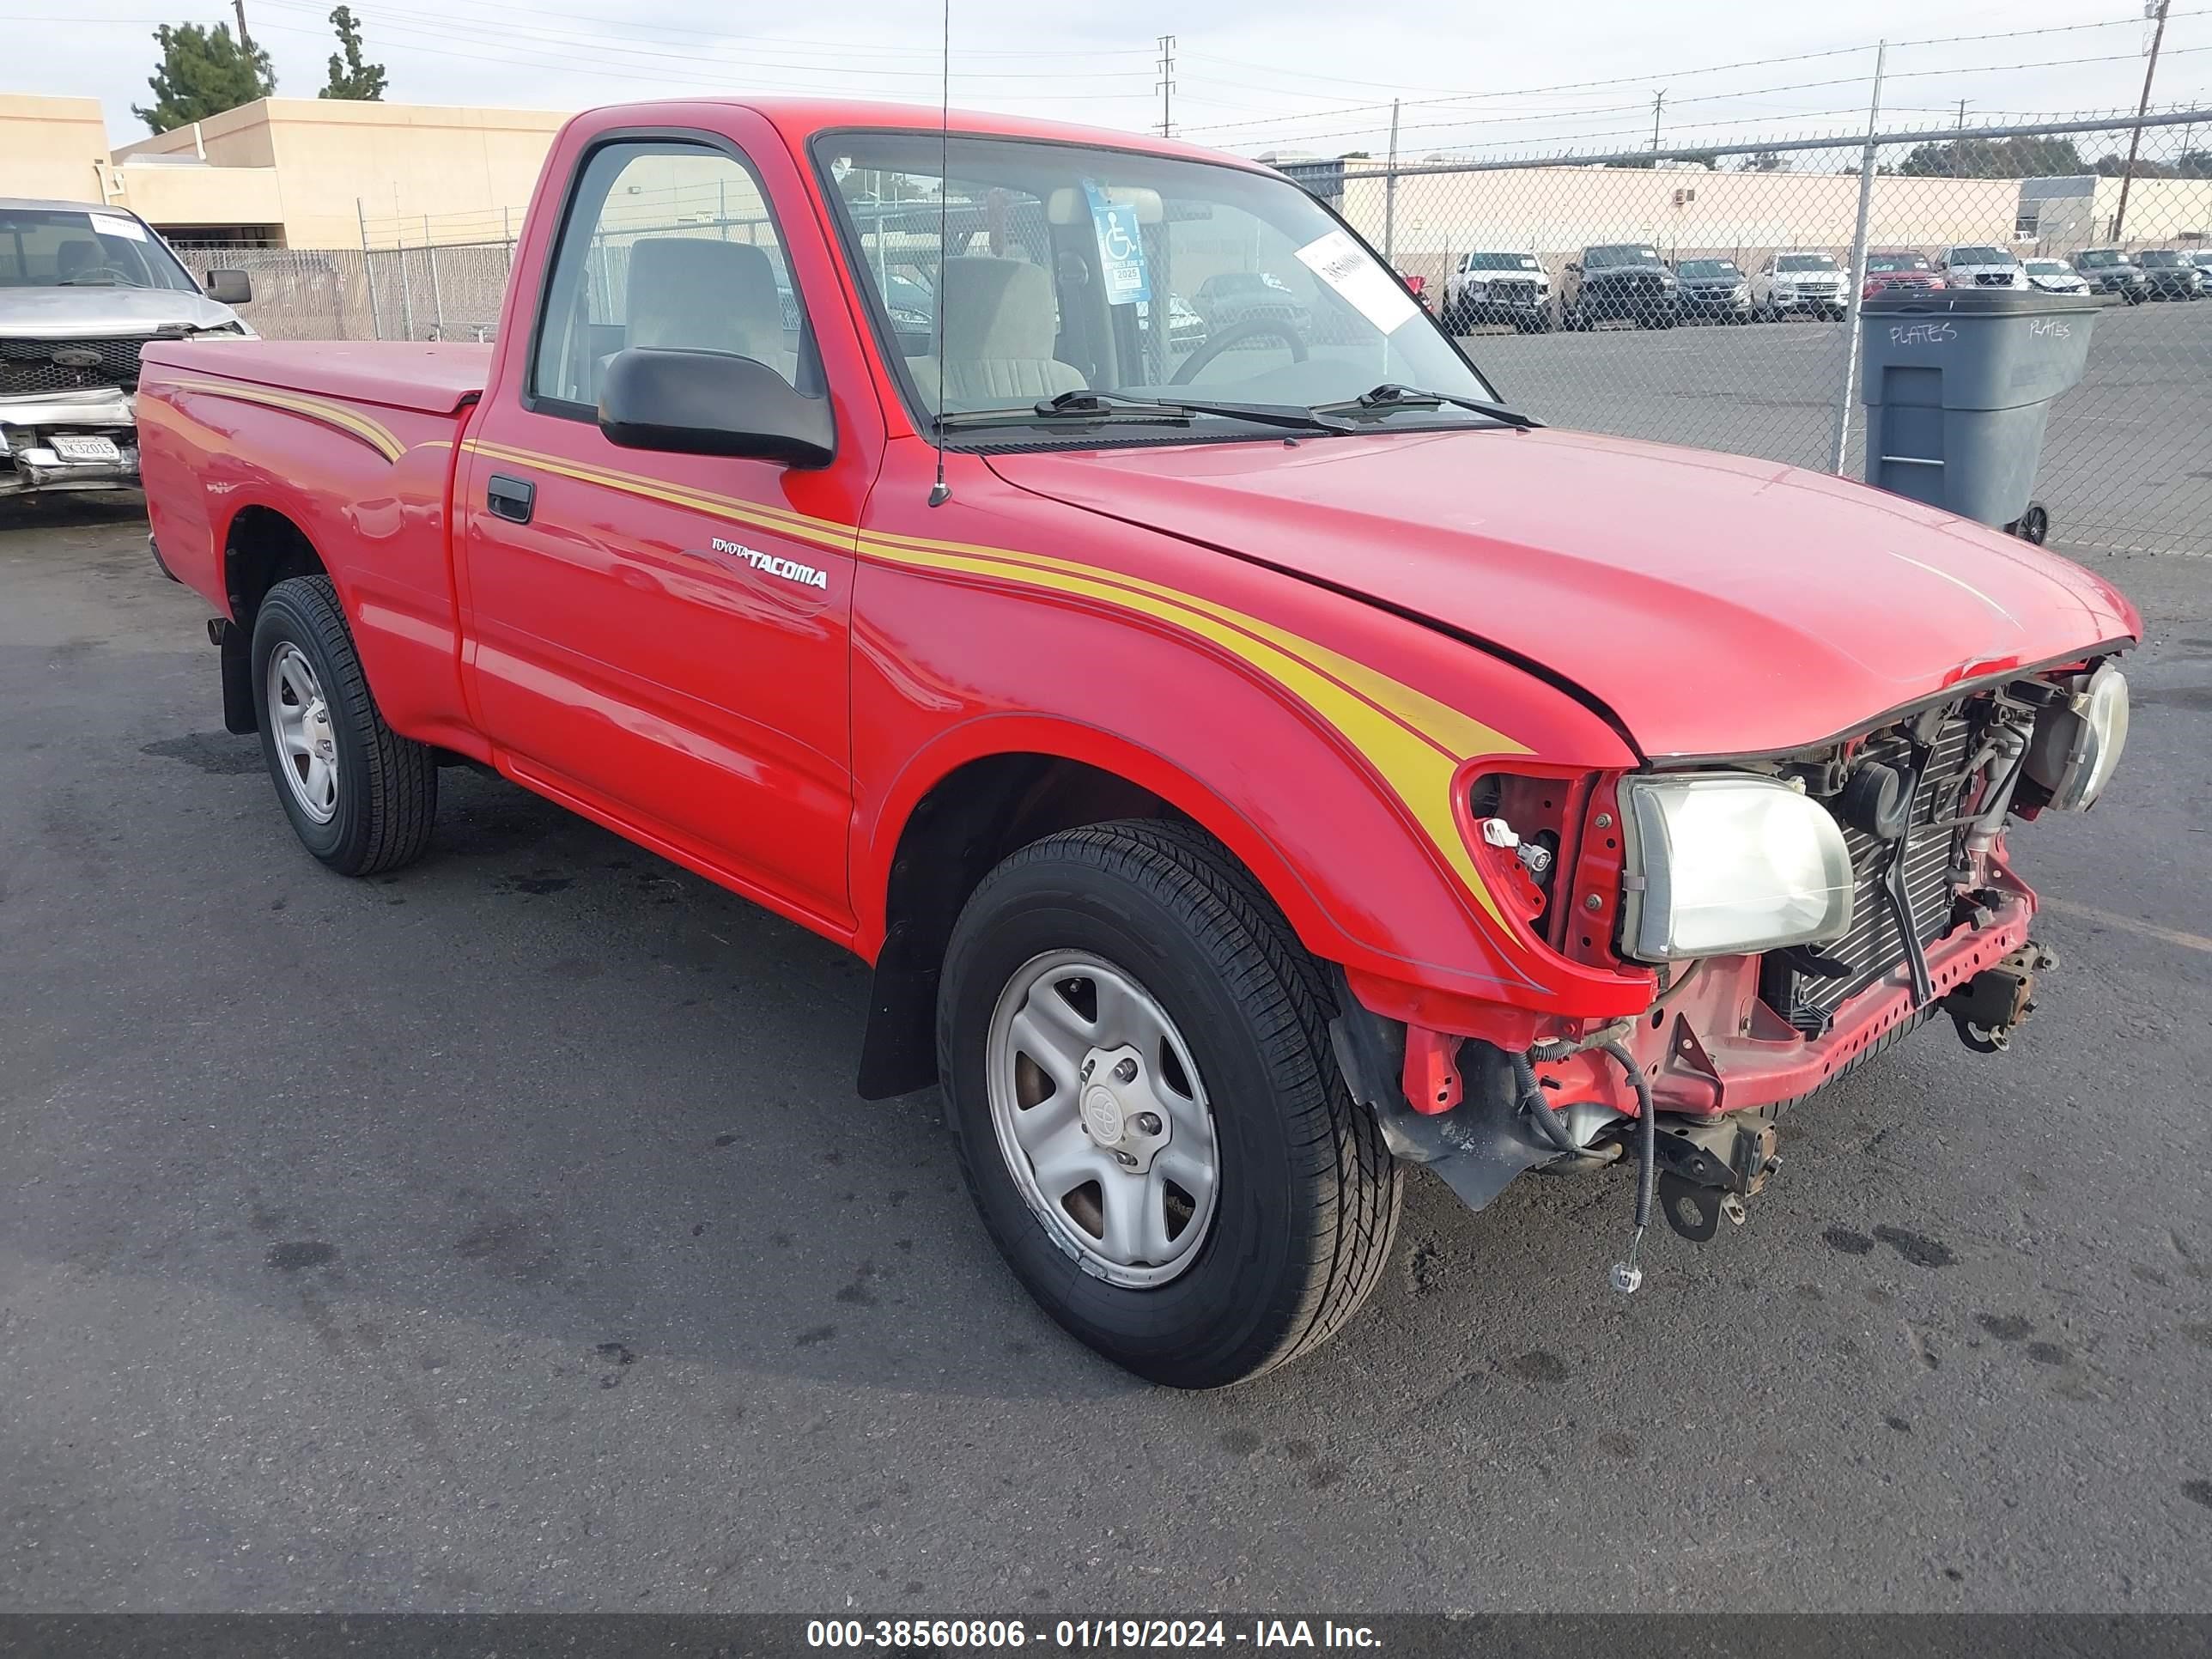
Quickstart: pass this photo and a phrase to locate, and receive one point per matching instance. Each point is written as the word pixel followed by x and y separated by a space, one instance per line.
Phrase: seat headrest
pixel 708 296
pixel 996 308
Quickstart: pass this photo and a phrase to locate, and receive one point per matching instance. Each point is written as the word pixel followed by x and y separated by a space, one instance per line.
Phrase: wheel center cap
pixel 1102 1113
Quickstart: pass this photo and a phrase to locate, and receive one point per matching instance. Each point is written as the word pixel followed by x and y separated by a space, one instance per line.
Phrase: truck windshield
pixel 1980 256
pixel 1502 262
pixel 79 247
pixel 1074 268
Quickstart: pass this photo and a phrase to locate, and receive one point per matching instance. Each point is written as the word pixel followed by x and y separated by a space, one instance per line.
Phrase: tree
pixel 1765 160
pixel 349 76
pixel 202 72
pixel 1999 158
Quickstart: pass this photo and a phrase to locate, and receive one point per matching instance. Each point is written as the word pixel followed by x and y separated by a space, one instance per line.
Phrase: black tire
pixel 387 785
pixel 1307 1193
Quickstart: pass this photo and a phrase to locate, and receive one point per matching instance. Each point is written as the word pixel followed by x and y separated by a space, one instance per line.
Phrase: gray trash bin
pixel 1958 386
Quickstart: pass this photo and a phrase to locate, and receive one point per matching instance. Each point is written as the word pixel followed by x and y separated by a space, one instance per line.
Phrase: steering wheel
pixel 103 269
pixel 1259 328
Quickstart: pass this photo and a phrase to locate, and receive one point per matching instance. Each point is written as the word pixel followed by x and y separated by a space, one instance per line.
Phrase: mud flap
pixel 239 715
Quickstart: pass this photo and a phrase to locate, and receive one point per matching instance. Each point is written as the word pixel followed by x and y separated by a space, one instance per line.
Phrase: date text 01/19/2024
pixel 1084 1635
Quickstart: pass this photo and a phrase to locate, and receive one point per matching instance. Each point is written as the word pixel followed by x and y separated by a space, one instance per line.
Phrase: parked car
pixel 1226 818
pixel 1800 283
pixel 2055 277
pixel 1978 264
pixel 1621 282
pixel 2110 271
pixel 1714 289
pixel 2201 258
pixel 83 286
pixel 1898 270
pixel 1492 286
pixel 1418 285
pixel 2171 273
pixel 1243 299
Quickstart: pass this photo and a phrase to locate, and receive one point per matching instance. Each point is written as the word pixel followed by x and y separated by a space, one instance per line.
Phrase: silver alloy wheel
pixel 1102 1118
pixel 307 744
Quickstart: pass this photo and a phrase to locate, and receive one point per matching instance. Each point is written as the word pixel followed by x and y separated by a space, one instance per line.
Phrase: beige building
pixel 316 169
pixel 52 147
pixel 294 172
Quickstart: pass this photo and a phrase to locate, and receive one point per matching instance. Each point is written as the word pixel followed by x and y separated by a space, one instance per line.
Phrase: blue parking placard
pixel 1120 247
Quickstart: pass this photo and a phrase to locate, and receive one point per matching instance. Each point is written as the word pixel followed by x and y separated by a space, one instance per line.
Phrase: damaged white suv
pixel 82 287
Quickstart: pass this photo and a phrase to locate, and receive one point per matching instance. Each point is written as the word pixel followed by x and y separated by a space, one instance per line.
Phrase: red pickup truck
pixel 1251 760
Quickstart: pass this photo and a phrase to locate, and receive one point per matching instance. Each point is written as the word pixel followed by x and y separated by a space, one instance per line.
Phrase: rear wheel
pixel 1136 1063
pixel 361 797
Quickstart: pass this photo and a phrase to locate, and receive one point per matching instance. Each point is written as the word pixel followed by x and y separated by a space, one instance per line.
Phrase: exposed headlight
pixel 1727 863
pixel 2077 742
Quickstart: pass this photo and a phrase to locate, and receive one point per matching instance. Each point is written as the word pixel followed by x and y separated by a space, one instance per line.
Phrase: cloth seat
pixel 1000 326
pixel 699 294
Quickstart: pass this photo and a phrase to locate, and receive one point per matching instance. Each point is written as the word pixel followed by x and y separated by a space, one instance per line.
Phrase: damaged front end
pixel 83 439
pixel 1799 914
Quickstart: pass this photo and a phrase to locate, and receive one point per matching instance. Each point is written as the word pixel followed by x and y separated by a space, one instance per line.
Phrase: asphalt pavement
pixel 505 1234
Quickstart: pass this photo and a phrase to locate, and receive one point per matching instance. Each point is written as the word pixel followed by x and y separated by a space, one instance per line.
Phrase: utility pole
pixel 244 39
pixel 1961 126
pixel 1166 87
pixel 1854 324
pixel 2142 108
pixel 1658 103
pixel 1390 194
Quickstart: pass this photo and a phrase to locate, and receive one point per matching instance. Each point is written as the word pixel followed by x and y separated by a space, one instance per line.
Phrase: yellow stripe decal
pixel 1414 743
pixel 351 421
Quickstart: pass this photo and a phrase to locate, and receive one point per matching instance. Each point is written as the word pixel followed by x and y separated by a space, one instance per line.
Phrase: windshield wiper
pixel 1389 397
pixel 1089 405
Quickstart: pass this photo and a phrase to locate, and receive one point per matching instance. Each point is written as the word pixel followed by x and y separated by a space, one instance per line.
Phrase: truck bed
pixel 437 378
pixel 249 447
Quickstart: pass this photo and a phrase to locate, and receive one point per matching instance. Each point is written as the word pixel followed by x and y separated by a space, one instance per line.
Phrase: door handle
pixel 510 498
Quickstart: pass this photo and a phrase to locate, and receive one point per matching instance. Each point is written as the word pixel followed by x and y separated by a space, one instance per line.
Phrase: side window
pixel 666 244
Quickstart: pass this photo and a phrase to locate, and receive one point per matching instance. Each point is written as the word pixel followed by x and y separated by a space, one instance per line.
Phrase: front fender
pixel 1257 704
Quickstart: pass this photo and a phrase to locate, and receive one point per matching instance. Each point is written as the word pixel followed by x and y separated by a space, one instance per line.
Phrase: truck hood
pixel 91 313
pixel 1713 604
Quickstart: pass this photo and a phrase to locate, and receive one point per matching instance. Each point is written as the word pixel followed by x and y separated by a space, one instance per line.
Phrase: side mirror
pixel 230 287
pixel 712 403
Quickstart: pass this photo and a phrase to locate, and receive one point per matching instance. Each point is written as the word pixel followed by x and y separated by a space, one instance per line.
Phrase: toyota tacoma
pixel 1249 765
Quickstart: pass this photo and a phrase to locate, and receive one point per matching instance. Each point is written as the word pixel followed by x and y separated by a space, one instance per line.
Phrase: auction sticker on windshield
pixel 109 225
pixel 1366 287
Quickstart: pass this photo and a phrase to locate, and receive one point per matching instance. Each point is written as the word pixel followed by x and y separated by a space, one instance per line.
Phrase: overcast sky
pixel 1251 75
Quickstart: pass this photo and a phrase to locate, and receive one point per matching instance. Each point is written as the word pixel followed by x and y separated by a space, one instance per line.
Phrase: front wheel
pixel 1136 1063
pixel 361 797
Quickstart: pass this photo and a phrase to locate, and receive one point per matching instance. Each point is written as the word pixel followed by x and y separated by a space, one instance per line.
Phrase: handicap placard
pixel 1120 248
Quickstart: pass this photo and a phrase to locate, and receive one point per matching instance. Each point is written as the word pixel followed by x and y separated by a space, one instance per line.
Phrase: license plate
pixel 86 449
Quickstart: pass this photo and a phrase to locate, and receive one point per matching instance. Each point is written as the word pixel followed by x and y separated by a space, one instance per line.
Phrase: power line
pixel 1719 68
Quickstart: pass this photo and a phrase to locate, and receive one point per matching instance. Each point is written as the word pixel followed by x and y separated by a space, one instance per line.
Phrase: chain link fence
pixel 1547 267
pixel 1768 248
pixel 442 291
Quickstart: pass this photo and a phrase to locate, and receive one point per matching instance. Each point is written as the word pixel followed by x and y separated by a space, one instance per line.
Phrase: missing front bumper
pixel 30 460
